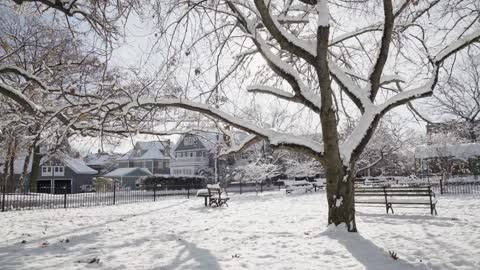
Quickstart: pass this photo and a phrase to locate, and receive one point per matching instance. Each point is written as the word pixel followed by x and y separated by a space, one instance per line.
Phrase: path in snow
pixel 271 231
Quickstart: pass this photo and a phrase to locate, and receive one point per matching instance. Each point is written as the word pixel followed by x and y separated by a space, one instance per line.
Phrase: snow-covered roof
pixel 463 151
pixel 147 150
pixel 99 159
pixel 209 138
pixel 125 171
pixel 78 166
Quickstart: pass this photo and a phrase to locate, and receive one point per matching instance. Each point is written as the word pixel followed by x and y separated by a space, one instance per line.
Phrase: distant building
pixel 456 159
pixel 102 162
pixel 64 175
pixel 194 153
pixel 153 156
pixel 127 177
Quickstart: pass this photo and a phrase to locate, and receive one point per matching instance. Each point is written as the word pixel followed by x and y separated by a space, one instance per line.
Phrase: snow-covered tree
pixel 457 100
pixel 301 166
pixel 316 57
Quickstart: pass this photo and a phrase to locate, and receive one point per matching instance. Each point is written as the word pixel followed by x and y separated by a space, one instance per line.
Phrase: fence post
pixel 154 192
pixel 240 186
pixel 188 190
pixel 114 188
pixel 261 187
pixel 441 183
pixel 65 197
pixel 3 197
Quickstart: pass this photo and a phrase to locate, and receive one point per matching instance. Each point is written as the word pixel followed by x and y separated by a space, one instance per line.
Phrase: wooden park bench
pixel 291 186
pixel 319 184
pixel 214 195
pixel 389 196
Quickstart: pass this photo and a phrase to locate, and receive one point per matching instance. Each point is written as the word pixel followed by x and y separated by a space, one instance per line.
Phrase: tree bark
pixel 13 155
pixel 341 208
pixel 37 157
pixel 6 166
pixel 340 197
pixel 26 164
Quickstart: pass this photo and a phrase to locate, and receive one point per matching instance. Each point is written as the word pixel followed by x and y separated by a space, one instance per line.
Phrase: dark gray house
pixel 66 174
pixel 127 177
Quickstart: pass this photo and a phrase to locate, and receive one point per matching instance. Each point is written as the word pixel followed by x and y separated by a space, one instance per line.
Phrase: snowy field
pixel 269 231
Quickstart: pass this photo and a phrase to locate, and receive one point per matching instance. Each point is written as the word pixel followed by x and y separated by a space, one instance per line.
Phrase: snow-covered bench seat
pixel 389 196
pixel 319 184
pixel 291 186
pixel 216 195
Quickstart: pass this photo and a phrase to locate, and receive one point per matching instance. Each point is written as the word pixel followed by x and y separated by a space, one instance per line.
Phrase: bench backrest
pixel 395 191
pixel 215 190
pixel 297 183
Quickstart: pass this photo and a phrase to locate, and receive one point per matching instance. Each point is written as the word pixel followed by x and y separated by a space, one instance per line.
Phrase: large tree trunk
pixel 6 166
pixel 11 175
pixel 37 157
pixel 340 197
pixel 339 178
pixel 13 156
pixel 26 164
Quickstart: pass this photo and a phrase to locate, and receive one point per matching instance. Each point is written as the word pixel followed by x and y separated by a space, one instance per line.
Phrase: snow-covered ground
pixel 268 231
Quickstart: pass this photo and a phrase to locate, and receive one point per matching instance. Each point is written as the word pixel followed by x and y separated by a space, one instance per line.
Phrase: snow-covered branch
pixel 275 138
pixel 264 89
pixel 348 85
pixel 456 46
pixel 287 41
pixel 247 142
pixel 20 98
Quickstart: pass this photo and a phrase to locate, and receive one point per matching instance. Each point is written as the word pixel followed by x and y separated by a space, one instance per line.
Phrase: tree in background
pixel 458 97
pixel 315 58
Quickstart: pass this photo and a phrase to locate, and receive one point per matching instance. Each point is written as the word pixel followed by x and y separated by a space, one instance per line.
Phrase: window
pixel 190 140
pixel 46 171
pixel 58 171
pixel 204 154
pixel 191 154
pixel 123 164
pixel 187 171
pixel 138 164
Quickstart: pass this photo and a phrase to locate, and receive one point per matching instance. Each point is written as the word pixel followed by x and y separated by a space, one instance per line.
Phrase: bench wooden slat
pixel 390 193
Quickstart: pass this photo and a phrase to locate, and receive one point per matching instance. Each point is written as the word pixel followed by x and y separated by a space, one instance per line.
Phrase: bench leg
pixel 433 209
pixel 205 201
pixel 223 202
pixel 389 207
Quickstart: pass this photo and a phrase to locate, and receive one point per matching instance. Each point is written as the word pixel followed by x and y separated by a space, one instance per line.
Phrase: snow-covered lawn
pixel 268 231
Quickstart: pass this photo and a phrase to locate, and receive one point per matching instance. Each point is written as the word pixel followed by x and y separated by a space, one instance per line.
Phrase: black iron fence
pixel 453 187
pixel 260 186
pixel 47 197
pixel 464 185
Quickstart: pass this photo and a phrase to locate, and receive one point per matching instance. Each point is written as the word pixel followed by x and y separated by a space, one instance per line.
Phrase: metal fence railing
pixel 469 187
pixel 454 185
pixel 47 197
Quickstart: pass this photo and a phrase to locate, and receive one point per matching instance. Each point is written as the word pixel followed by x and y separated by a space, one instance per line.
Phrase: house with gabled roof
pixel 151 155
pixel 128 177
pixel 194 152
pixel 102 162
pixel 59 174
pixel 65 174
